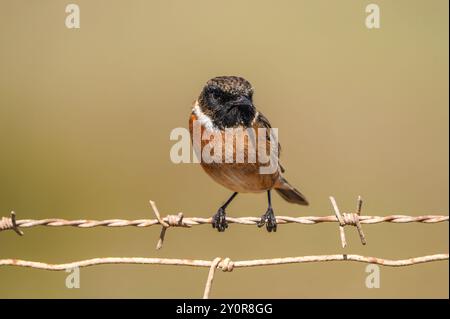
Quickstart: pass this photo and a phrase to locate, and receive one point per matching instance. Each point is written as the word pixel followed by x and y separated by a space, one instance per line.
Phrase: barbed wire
pixel 196 221
pixel 178 220
pixel 225 264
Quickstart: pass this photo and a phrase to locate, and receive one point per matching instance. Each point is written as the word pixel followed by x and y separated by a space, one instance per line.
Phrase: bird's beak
pixel 243 101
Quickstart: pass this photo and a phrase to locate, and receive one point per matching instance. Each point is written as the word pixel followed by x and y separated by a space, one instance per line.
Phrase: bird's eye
pixel 216 95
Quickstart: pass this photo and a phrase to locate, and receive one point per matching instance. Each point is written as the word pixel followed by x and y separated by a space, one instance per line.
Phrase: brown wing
pixel 263 122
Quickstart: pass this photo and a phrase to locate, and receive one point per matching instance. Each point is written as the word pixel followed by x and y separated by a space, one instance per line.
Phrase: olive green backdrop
pixel 85 117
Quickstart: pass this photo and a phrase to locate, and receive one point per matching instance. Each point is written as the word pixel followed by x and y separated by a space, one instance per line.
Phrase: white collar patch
pixel 204 119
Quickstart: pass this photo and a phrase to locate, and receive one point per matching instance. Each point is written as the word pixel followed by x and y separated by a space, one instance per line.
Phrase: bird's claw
pixel 219 220
pixel 269 220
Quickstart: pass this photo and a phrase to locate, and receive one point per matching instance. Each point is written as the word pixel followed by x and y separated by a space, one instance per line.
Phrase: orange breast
pixel 239 177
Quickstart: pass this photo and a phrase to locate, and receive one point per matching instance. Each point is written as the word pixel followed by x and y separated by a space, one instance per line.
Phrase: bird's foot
pixel 219 220
pixel 269 220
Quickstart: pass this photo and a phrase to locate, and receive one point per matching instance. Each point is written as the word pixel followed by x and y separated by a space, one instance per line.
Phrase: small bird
pixel 226 102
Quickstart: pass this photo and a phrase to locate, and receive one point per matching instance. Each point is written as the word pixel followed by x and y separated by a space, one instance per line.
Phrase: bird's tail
pixel 290 193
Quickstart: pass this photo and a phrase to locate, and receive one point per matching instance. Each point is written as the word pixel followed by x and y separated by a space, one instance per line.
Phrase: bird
pixel 226 104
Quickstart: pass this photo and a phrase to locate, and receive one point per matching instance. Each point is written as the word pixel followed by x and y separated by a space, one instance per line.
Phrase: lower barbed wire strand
pixel 225 264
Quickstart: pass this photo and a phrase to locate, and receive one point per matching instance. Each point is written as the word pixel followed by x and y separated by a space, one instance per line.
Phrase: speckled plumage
pixel 232 84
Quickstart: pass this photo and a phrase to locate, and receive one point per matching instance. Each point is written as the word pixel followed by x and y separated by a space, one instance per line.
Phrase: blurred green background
pixel 85 117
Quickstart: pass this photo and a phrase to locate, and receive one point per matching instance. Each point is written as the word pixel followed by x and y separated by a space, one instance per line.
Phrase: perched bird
pixel 226 102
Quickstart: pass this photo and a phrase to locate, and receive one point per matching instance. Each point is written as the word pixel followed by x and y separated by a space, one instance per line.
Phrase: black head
pixel 228 101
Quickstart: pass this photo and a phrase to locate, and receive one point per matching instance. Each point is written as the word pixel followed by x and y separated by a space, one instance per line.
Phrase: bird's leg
pixel 219 220
pixel 268 218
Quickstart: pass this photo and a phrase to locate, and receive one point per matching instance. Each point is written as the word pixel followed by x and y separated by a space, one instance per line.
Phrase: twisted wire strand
pixel 225 264
pixel 194 221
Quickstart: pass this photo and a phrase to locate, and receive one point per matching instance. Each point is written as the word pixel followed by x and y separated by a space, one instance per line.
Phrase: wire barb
pixel 10 223
pixel 352 219
pixel 169 221
pixel 210 278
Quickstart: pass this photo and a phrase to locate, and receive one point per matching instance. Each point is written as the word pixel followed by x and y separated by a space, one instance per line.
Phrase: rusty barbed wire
pixel 196 221
pixel 225 264
pixel 344 219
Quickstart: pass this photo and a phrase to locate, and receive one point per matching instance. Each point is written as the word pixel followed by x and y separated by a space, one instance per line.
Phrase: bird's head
pixel 228 101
